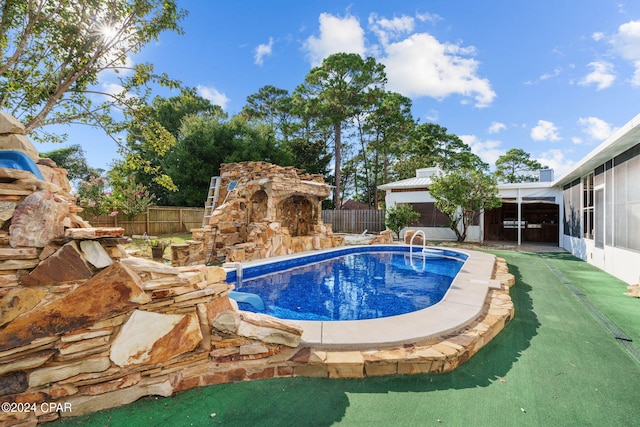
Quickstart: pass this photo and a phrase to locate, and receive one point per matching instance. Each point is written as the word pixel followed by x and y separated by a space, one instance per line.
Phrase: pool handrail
pixel 424 241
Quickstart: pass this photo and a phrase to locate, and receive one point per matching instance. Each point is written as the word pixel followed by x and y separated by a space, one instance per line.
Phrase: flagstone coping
pixel 461 305
pixel 474 312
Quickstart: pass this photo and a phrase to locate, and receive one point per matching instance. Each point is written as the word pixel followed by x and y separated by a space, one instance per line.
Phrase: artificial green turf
pixel 603 290
pixel 553 365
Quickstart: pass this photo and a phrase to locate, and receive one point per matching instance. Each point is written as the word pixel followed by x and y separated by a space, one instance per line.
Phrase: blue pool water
pixel 351 286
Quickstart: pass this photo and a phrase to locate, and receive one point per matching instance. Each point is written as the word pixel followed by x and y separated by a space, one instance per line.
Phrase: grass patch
pixel 141 246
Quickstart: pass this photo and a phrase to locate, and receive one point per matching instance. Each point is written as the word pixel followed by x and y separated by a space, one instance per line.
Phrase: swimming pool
pixel 461 305
pixel 367 283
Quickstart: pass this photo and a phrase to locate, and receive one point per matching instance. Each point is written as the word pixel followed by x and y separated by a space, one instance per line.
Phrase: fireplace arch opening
pixel 298 215
pixel 258 206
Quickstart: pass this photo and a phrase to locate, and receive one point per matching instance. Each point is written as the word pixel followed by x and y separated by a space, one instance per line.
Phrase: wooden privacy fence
pixel 160 220
pixel 356 221
pixel 155 221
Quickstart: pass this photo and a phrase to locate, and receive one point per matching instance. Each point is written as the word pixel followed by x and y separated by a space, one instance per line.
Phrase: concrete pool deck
pixel 460 306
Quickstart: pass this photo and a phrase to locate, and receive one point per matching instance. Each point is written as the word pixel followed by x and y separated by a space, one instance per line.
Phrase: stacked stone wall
pixel 84 326
pixel 272 210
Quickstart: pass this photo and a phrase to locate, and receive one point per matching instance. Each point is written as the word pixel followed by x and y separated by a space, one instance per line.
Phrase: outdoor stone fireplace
pixel 273 210
pixel 298 214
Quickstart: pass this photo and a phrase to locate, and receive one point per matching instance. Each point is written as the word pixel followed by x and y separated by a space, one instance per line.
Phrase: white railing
pixel 424 247
pixel 432 252
pixel 424 241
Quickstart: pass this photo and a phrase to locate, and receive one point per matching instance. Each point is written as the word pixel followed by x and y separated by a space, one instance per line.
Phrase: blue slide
pixel 12 159
pixel 248 298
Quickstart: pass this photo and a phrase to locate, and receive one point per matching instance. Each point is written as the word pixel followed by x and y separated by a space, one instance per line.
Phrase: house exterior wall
pixel 609 238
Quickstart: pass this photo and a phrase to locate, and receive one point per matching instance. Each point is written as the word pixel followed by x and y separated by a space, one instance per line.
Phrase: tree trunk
pixel 454 225
pixel 375 178
pixel 336 190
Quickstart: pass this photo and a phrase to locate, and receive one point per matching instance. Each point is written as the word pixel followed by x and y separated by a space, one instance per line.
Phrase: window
pixel 587 206
pixel 571 196
pixel 627 200
pixel 430 216
pixel 599 218
pixel 608 197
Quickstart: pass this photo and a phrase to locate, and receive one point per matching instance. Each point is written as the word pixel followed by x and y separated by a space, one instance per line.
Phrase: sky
pixel 554 78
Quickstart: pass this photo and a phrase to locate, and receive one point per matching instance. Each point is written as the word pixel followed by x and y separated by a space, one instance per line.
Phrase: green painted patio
pixel 571 357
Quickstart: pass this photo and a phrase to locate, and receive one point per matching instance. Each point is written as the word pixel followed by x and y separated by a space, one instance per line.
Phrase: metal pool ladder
pixel 424 247
pixel 425 251
pixel 424 242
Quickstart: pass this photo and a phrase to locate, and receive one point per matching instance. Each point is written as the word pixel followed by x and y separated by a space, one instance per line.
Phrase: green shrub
pixel 399 217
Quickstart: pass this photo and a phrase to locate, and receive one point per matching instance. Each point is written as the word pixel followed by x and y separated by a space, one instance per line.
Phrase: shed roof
pixel 416 182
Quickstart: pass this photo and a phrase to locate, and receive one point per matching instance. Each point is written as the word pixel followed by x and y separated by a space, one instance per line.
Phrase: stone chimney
pixel 546 175
pixel 428 172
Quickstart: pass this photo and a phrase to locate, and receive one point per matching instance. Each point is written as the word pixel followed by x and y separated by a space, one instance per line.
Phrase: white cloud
pixel 110 89
pixel 428 17
pixel 124 67
pixel 108 75
pixel 416 66
pixel 626 42
pixel 546 76
pixel 545 131
pixel 597 36
pixel 336 35
pixel 555 159
pixel 556 73
pixel 432 115
pixel 596 128
pixel 488 151
pixel 636 75
pixel 213 95
pixel 390 29
pixel 422 66
pixel 114 61
pixel 109 83
pixel 263 50
pixel 602 75
pixel 497 127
